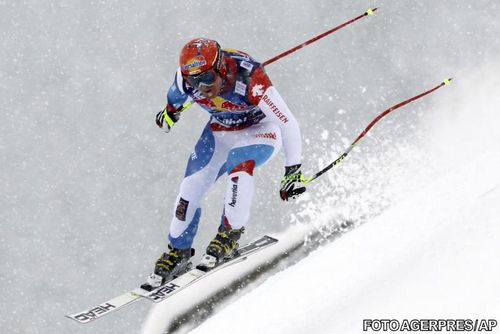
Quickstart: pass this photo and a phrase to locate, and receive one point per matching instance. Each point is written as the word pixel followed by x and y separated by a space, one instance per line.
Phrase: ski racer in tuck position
pixel 248 125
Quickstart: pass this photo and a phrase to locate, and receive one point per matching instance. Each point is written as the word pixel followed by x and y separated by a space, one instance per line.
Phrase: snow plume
pixel 370 177
pixel 455 125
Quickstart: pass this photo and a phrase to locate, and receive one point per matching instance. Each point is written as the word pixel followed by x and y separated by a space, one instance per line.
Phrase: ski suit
pixel 248 125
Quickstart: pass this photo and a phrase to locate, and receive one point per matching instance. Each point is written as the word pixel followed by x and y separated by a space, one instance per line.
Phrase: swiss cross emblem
pixel 258 90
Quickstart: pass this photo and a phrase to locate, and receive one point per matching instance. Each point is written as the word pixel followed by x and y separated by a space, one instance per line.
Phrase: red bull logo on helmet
pixel 193 66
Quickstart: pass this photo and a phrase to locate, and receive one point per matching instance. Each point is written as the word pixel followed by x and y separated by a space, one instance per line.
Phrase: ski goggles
pixel 206 78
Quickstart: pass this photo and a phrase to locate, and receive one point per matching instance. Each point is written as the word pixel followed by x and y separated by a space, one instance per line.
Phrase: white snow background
pixel 87 181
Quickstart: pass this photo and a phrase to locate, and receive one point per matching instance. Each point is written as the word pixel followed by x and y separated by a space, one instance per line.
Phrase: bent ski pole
pixel 372 123
pixel 368 12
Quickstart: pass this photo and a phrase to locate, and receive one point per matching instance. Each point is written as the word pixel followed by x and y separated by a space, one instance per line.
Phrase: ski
pixel 172 287
pixel 107 307
pixel 169 289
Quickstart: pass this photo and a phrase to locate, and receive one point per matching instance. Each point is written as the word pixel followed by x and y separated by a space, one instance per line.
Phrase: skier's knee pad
pixel 246 166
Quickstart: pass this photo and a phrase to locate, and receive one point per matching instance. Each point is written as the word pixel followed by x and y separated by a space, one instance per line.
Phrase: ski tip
pixel 447 81
pixel 370 11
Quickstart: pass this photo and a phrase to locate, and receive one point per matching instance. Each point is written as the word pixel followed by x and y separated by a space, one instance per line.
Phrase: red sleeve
pixel 259 83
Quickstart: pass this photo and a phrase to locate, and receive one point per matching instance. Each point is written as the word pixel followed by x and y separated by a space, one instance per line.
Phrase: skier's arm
pixel 176 96
pixel 274 107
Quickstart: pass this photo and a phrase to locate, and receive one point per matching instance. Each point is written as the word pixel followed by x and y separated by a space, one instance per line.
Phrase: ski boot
pixel 223 246
pixel 169 266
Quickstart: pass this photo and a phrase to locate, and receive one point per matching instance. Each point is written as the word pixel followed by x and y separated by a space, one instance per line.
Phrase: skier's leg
pixel 201 172
pixel 254 146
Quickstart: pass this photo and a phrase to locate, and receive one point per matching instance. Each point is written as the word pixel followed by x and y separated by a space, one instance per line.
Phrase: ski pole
pixel 186 105
pixel 372 123
pixel 368 12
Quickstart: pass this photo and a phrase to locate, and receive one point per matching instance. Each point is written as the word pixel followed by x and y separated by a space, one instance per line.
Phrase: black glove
pixel 292 184
pixel 166 118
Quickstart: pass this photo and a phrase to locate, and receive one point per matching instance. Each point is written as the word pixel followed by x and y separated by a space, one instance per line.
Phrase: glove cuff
pixel 170 115
pixel 167 118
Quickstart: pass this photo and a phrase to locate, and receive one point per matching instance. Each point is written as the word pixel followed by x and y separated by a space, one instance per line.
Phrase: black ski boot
pixel 222 246
pixel 169 266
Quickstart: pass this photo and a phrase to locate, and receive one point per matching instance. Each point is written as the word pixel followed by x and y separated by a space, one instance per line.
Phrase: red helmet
pixel 199 55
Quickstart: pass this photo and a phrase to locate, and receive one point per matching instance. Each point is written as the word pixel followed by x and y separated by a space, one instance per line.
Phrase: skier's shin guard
pixel 238 199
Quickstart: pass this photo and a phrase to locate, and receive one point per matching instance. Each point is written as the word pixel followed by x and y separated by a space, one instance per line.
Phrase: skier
pixel 248 125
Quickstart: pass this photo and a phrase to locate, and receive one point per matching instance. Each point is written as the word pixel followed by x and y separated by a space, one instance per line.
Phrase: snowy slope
pixel 435 255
